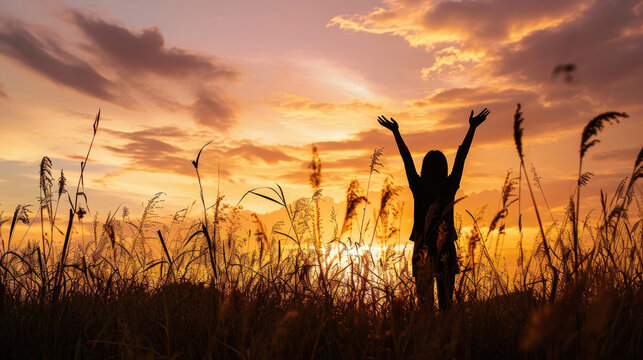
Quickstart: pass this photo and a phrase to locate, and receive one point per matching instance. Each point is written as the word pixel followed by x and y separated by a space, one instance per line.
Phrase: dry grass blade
pixel 167 253
pixel 638 167
pixel 21 214
pixel 195 163
pixel 61 265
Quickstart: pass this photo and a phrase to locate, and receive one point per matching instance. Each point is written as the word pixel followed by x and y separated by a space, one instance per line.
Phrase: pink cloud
pixel 145 51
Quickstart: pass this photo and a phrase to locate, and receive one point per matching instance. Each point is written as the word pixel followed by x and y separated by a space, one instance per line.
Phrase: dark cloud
pixel 3 93
pixel 149 150
pixel 519 44
pixel 146 52
pixel 456 24
pixel 210 109
pixel 43 55
pixel 479 21
pixel 605 43
pixel 250 151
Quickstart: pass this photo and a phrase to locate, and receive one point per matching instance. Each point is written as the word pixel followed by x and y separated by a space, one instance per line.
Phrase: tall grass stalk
pixel 588 139
pixel 375 162
pixel 518 132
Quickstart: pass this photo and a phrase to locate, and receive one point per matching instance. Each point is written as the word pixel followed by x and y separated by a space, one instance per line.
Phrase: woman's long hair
pixel 434 168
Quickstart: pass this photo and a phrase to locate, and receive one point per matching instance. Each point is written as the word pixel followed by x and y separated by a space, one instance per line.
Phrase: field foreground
pixel 191 321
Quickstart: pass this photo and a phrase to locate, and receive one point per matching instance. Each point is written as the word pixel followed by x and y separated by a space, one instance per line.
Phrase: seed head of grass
pixel 23 212
pixel 595 126
pixel 584 178
pixel 260 233
pixel 518 119
pixel 62 181
pixel 375 159
pixel 315 169
pixel 46 183
pixel 354 197
pixel 389 192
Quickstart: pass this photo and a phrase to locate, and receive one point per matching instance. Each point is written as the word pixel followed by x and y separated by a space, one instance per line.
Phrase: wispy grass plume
pixel 315 169
pixel 588 139
pixel 354 197
pixel 375 162
pixel 595 126
pixel 518 132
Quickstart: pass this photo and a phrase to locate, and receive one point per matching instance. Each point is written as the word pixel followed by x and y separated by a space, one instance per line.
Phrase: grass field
pixel 208 287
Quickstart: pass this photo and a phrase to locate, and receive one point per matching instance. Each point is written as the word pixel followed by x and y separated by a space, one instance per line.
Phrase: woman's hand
pixel 389 124
pixel 478 119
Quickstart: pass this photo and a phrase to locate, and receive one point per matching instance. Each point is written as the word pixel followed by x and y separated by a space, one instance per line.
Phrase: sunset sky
pixel 267 79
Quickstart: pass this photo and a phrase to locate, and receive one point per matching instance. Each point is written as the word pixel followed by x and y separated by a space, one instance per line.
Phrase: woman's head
pixel 434 167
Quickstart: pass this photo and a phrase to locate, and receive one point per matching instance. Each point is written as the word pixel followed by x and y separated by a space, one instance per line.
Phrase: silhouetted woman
pixel 433 233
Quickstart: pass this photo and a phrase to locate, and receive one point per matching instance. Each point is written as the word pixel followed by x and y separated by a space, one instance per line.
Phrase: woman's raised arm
pixel 409 166
pixel 463 150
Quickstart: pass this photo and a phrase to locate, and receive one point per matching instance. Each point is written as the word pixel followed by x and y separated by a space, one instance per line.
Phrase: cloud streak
pixel 145 51
pixel 46 57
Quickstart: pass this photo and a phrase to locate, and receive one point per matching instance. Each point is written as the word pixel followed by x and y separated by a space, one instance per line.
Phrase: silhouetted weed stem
pixel 375 161
pixel 75 210
pixel 518 132
pixel 590 131
pixel 195 163
pixel 83 164
pixel 281 202
pixel 167 253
